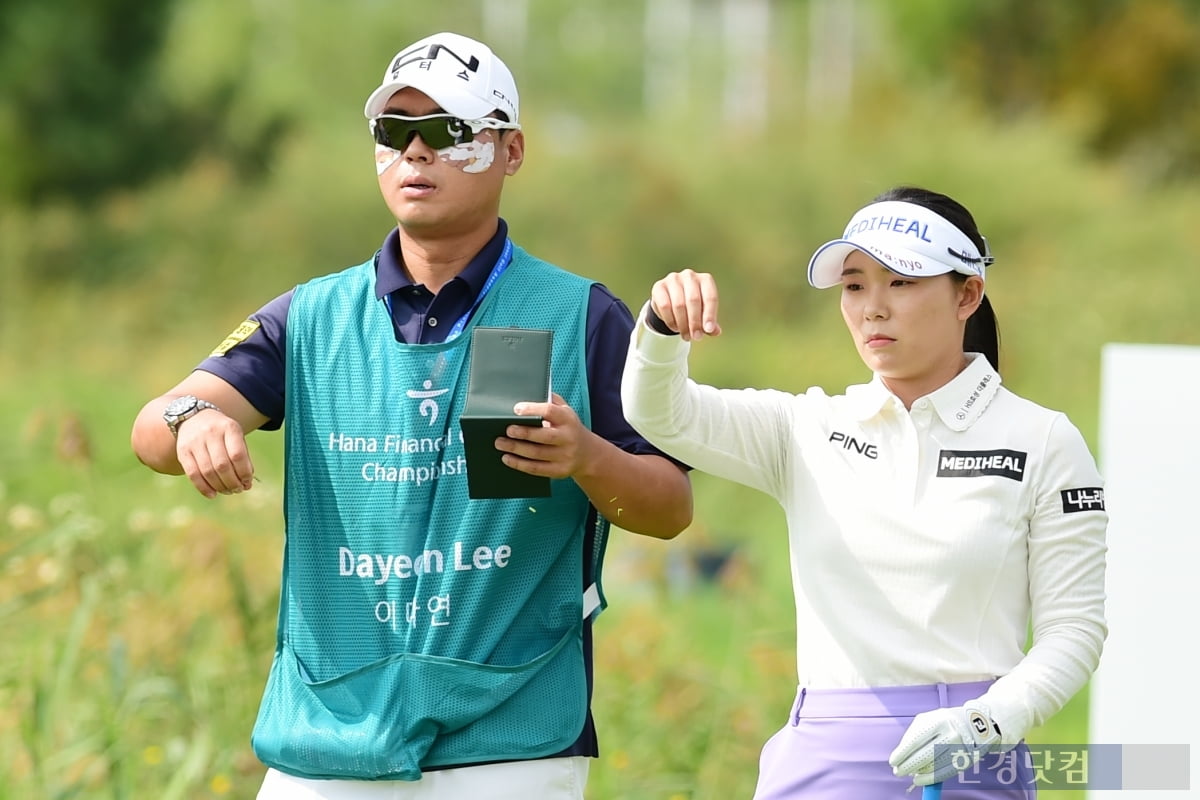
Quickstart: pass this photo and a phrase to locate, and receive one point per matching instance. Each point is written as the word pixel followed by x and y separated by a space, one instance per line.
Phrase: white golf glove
pixel 941 743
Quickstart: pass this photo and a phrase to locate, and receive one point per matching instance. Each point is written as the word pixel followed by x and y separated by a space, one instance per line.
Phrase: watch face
pixel 180 405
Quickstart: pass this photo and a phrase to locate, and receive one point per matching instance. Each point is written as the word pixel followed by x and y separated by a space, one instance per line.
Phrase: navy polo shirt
pixel 255 366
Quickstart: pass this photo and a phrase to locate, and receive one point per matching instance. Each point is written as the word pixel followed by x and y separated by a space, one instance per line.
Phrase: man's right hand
pixel 211 445
pixel 212 450
pixel 686 302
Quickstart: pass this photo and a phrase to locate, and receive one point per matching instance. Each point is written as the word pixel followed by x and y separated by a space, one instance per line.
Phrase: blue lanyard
pixel 497 270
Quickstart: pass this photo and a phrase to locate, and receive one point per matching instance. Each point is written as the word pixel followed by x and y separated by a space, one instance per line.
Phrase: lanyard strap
pixel 498 269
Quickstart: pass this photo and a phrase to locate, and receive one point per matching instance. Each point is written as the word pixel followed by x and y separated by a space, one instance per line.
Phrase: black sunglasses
pixel 436 130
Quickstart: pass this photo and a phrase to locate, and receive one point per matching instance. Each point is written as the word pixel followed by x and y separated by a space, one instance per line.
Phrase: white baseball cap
pixel 907 238
pixel 461 75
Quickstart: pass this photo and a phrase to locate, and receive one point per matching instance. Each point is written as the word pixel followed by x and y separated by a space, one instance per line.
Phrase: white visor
pixel 906 238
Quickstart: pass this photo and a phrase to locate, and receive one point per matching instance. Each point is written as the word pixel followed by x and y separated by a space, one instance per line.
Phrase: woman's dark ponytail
pixel 982 334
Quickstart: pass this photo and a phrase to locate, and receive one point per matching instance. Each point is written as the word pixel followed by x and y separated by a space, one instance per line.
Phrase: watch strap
pixel 175 420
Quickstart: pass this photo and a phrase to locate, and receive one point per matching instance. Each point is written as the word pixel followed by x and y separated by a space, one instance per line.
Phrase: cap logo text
pixel 900 225
pixel 431 54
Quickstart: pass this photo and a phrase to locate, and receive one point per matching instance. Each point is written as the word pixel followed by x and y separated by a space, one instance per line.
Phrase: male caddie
pixel 429 645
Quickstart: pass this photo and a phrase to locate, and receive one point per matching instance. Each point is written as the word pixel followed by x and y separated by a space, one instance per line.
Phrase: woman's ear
pixel 970 295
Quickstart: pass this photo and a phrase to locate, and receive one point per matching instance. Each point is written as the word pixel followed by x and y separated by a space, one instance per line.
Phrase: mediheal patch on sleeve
pixel 239 335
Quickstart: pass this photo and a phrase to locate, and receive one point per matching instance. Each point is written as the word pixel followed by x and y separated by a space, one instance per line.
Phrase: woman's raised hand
pixel 686 302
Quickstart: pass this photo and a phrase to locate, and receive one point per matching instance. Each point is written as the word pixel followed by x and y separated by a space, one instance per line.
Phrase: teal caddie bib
pixel 417 627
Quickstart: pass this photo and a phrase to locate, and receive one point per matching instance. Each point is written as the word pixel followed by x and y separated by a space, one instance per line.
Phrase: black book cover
pixel 508 366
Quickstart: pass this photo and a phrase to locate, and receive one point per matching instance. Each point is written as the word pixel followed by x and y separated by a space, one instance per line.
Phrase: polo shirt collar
pixel 868 399
pixel 959 403
pixel 390 274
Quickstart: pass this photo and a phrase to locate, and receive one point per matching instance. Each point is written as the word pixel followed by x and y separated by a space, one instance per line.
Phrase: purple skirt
pixel 836 744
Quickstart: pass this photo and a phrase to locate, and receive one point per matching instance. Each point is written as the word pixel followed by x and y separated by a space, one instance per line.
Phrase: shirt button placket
pixel 916 431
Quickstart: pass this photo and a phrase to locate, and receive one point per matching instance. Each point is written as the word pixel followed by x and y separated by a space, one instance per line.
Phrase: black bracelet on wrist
pixel 657 325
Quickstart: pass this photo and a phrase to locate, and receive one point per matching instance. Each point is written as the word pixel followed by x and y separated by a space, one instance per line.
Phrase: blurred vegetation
pixel 1125 72
pixel 88 113
pixel 170 167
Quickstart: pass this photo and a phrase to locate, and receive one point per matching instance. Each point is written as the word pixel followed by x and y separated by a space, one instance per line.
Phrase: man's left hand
pixel 557 449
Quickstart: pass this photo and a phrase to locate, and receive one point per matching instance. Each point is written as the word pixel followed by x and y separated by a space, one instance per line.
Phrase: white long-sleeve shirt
pixel 922 541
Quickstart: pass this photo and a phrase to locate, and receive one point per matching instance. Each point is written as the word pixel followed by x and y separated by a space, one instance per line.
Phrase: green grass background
pixel 138 618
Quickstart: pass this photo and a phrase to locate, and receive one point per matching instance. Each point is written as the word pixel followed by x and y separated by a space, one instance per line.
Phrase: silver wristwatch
pixel 182 408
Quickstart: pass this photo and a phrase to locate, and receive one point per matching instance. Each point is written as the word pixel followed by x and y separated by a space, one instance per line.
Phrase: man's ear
pixel 514 151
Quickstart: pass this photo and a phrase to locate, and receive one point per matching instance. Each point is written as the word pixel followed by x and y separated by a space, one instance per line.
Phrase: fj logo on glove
pixel 979 723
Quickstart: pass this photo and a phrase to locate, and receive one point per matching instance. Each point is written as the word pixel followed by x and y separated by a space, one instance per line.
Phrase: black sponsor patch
pixel 1087 499
pixel 978 463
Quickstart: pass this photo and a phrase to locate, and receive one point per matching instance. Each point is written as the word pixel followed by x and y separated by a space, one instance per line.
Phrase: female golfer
pixel 933 515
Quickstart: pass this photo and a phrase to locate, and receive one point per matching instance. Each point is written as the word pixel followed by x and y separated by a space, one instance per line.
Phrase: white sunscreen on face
pixel 474 156
pixel 384 158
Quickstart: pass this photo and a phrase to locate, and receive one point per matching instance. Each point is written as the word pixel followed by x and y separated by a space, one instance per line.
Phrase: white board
pixel 1145 696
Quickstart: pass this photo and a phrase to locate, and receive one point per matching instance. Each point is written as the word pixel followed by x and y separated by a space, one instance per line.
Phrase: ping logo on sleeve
pixel 239 335
pixel 979 463
pixel 1086 499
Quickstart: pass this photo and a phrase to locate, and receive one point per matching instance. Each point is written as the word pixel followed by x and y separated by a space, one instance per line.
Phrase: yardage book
pixel 508 366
